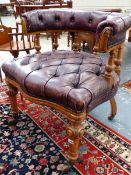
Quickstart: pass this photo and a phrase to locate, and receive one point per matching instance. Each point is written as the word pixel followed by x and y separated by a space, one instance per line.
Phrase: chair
pixel 57 4
pixel 60 2
pixel 19 7
pixel 72 82
pixel 22 6
pixel 14 42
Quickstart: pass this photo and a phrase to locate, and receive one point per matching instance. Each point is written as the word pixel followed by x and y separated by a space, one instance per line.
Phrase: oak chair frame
pixel 75 129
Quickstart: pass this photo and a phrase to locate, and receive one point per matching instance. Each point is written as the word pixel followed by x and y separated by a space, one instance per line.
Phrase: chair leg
pixel 113 108
pixel 74 131
pixel 12 93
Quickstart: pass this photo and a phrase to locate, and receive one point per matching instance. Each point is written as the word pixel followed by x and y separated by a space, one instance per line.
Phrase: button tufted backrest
pixel 94 21
pixel 63 20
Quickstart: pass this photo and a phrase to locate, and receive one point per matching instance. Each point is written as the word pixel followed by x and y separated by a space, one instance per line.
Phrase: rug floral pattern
pixel 25 149
pixel 38 143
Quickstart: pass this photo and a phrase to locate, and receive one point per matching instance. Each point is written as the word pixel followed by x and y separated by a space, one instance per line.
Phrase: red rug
pixel 102 151
pixel 127 86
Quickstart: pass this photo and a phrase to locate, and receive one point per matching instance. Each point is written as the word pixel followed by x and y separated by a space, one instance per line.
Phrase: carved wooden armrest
pixel 115 53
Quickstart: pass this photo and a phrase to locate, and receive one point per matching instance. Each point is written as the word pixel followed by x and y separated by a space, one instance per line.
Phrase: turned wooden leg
pixel 75 131
pixel 12 93
pixel 37 43
pixel 109 68
pixel 118 60
pixel 113 108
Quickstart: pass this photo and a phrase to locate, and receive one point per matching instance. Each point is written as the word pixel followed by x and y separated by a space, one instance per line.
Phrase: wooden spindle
pixel 118 60
pixel 68 39
pixel 55 41
pixel 10 36
pixel 29 40
pixel 109 68
pixel 17 44
pixel 75 44
pixel 37 43
pixel 23 41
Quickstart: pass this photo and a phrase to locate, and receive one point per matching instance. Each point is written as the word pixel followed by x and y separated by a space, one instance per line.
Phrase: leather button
pixel 56 75
pixel 90 20
pixel 76 85
pixel 72 19
pixel 98 73
pixel 40 18
pixel 57 18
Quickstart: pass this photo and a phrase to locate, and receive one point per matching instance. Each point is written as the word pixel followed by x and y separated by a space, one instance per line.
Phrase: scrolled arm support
pixel 102 40
pixel 115 22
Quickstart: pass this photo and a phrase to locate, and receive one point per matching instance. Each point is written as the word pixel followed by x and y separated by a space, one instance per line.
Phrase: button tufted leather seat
pixel 72 79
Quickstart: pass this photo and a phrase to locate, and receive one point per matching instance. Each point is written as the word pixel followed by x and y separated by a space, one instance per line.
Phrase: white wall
pixel 4 1
pixel 94 4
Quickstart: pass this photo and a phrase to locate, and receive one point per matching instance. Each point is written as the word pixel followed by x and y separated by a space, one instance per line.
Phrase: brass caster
pixel 111 117
pixel 13 121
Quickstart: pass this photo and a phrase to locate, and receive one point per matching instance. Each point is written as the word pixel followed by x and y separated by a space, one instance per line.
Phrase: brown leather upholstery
pixel 72 79
pixel 93 21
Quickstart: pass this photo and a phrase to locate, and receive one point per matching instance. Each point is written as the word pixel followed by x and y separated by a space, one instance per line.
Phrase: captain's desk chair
pixel 72 82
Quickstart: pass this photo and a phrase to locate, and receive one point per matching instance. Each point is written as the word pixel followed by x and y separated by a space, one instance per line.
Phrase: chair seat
pixel 72 79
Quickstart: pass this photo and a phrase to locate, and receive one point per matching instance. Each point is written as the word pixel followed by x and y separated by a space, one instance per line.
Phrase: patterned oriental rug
pixel 38 142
